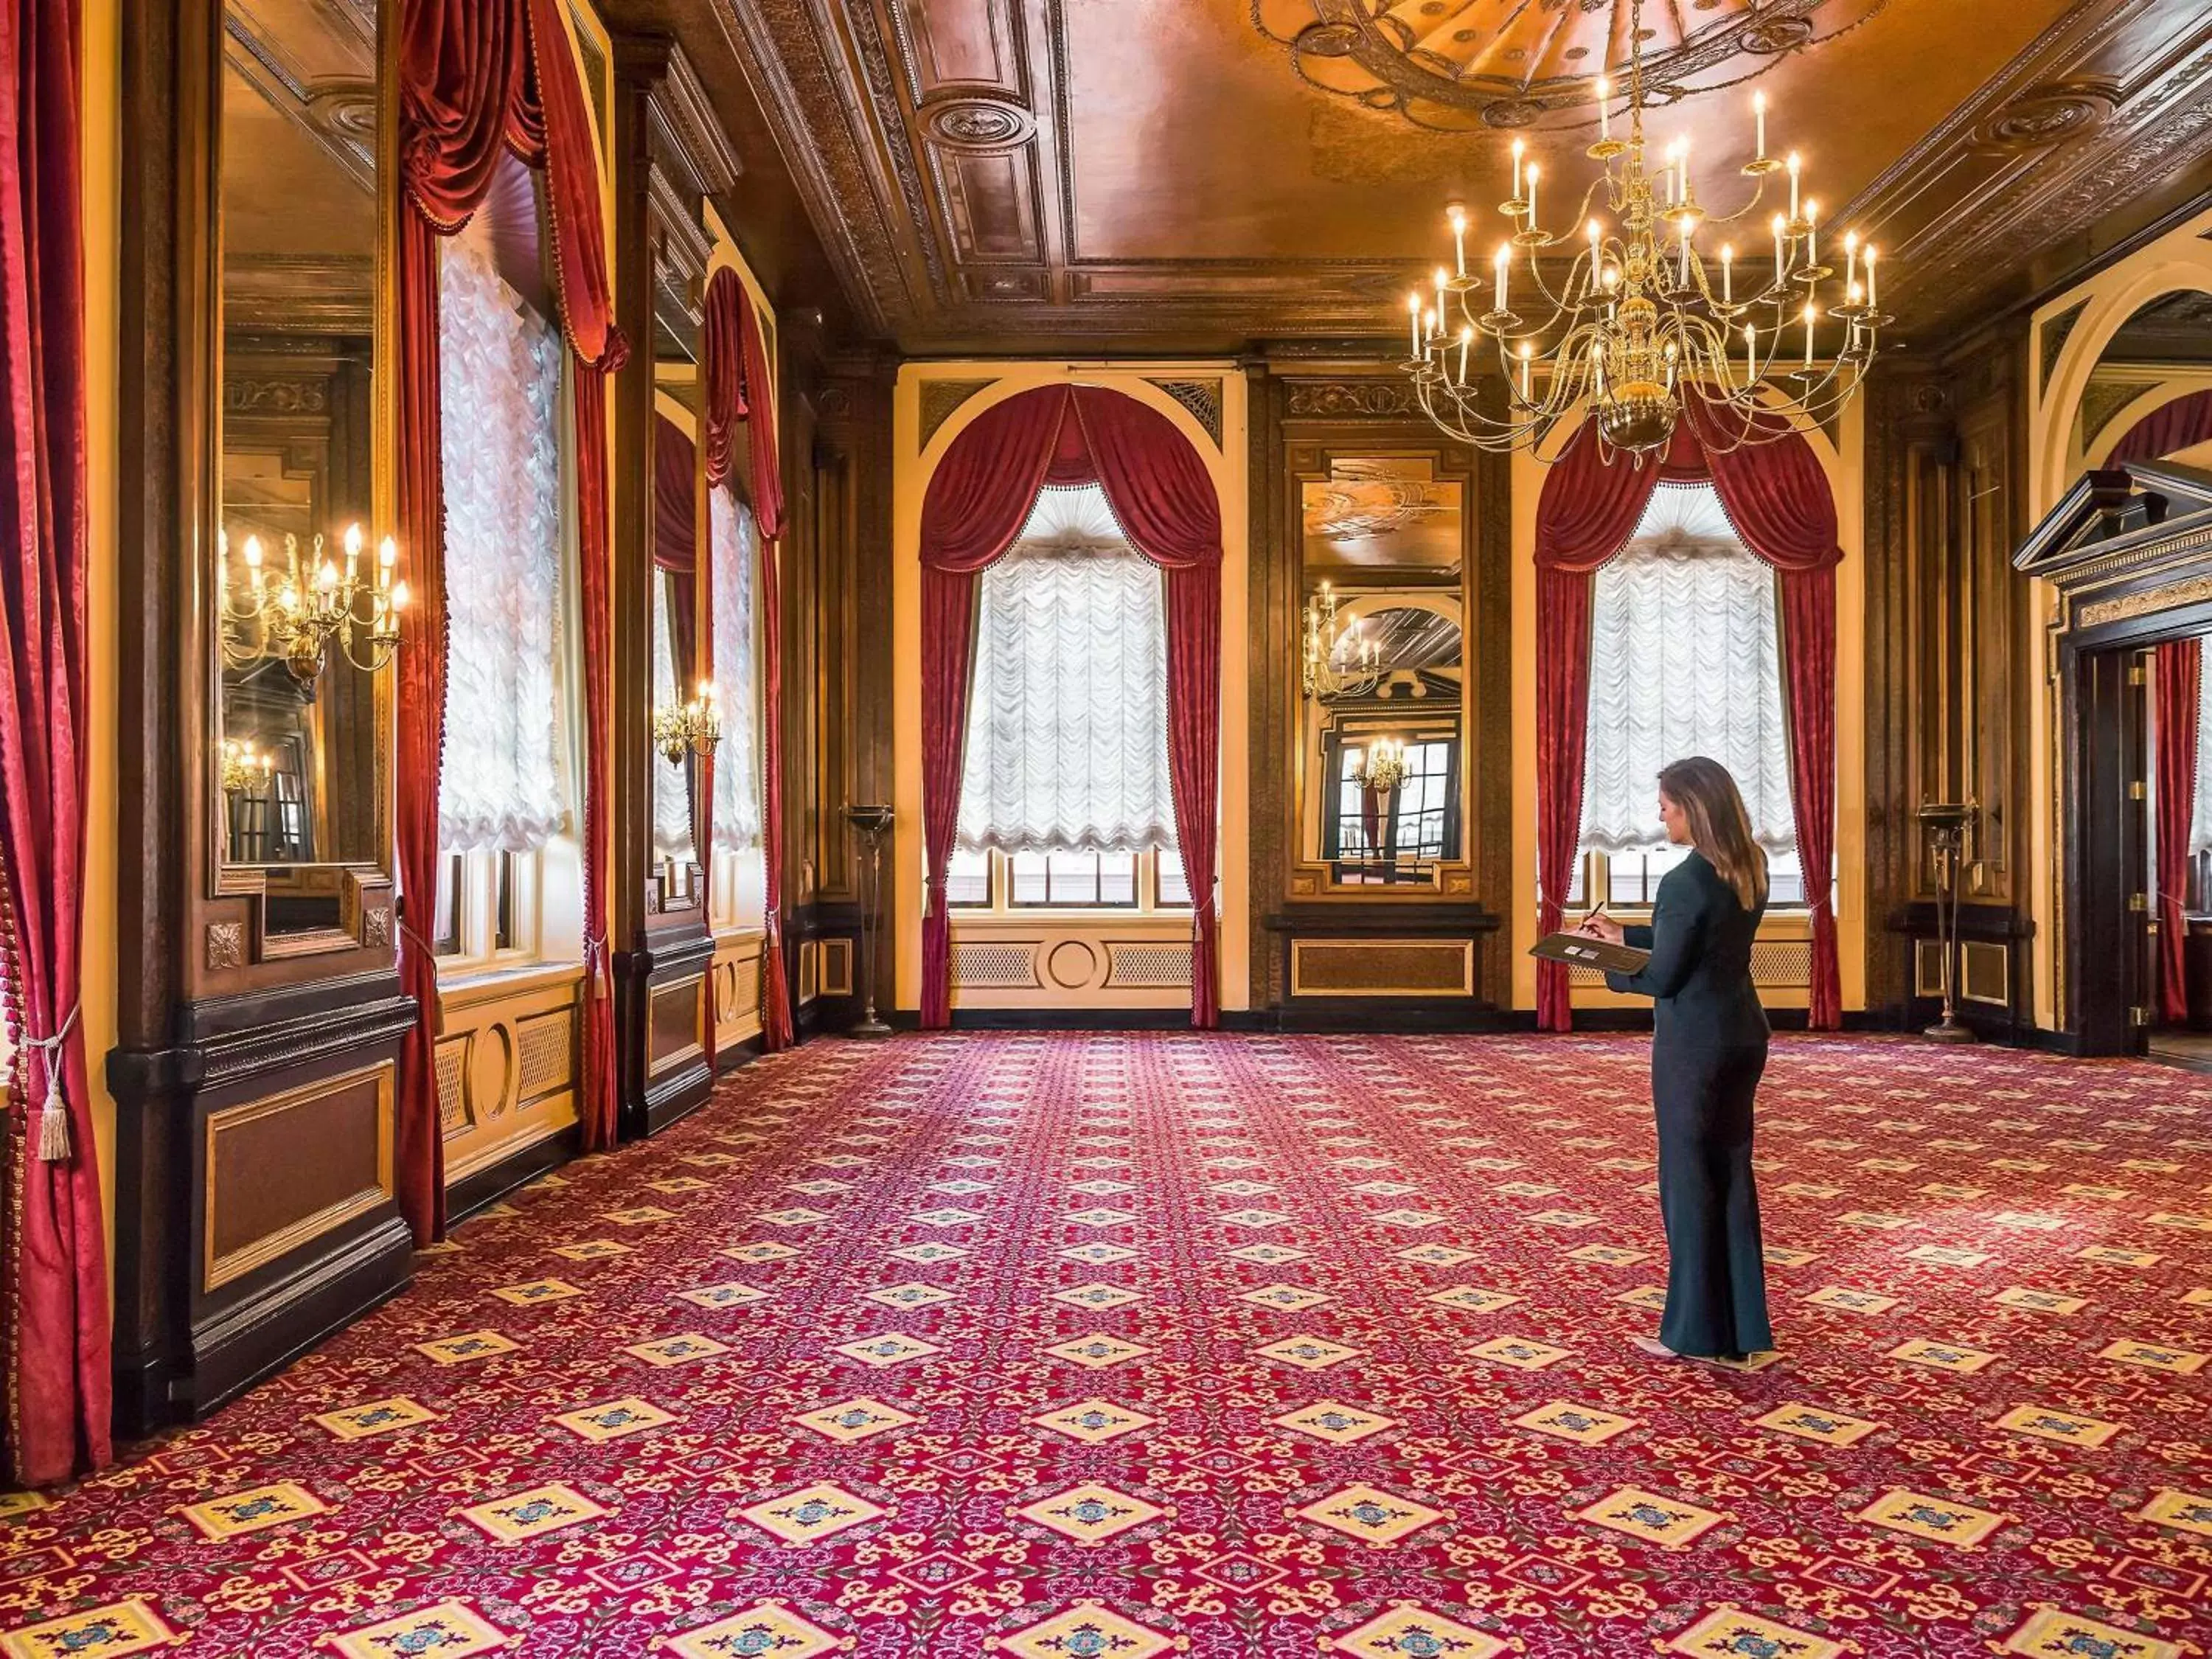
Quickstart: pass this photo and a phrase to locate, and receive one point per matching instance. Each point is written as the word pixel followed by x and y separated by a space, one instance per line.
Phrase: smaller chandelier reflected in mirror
pixel 1646 325
pixel 694 729
pixel 298 613
pixel 1341 659
pixel 245 771
pixel 1383 766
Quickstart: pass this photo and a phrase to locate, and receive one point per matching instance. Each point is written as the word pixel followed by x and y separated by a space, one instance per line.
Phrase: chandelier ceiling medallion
pixel 1465 65
pixel 1644 323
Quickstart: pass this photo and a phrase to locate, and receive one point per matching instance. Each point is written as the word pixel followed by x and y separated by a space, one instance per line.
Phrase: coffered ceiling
pixel 1198 174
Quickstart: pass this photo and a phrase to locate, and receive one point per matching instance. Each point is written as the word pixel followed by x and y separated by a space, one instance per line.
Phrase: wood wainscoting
pixel 1371 967
pixel 734 981
pixel 508 1059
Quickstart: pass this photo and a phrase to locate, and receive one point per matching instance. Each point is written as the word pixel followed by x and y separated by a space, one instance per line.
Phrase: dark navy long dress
pixel 1707 1056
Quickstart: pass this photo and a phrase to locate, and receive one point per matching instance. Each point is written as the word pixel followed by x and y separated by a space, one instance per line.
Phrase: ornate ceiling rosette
pixel 1461 65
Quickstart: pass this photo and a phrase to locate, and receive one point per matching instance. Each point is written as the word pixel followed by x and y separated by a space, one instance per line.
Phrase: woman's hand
pixel 1598 925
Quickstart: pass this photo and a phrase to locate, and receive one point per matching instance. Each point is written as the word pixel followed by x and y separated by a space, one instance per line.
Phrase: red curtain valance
pixel 978 499
pixel 477 77
pixel 741 389
pixel 1777 498
pixel 2167 430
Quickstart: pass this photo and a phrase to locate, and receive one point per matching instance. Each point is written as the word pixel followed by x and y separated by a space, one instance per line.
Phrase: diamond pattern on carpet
pixel 1104 1347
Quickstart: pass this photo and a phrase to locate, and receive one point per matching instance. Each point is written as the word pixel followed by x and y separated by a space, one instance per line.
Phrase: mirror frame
pixel 367 919
pixel 1315 462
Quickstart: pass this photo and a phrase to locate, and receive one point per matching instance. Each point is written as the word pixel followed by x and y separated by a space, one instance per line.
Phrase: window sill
pixel 479 983
pixel 738 933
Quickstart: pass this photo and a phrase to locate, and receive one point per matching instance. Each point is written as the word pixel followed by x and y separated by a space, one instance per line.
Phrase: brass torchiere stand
pixel 873 823
pixel 1946 824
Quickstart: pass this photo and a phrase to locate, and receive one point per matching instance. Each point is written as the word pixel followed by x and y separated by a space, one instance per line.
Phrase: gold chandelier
pixel 1339 661
pixel 694 729
pixel 299 614
pixel 1383 768
pixel 1644 329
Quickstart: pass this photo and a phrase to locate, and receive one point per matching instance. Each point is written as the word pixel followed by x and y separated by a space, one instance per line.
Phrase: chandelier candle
pixel 1635 331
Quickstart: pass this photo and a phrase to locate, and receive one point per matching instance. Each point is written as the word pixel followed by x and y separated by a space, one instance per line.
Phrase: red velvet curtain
pixel 2177 668
pixel 978 499
pixel 1778 500
pixel 478 77
pixel 739 388
pixel 1586 513
pixel 54 1305
pixel 2168 428
pixel 1780 503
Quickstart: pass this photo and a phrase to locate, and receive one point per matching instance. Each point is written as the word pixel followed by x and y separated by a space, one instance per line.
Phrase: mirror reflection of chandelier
pixel 244 771
pixel 1383 766
pixel 694 729
pixel 298 613
pixel 1646 328
pixel 1339 660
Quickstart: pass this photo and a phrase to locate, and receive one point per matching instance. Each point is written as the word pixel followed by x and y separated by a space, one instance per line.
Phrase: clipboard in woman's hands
pixel 1583 950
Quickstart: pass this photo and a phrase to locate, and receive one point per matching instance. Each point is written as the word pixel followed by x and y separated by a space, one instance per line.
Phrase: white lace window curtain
pixel 501 785
pixel 735 551
pixel 1067 748
pixel 1685 659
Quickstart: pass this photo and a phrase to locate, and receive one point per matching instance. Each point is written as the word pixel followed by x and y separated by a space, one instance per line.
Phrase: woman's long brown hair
pixel 1719 827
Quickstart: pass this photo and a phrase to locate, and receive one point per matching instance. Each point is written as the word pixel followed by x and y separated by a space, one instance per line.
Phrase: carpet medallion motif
pixel 1064 1347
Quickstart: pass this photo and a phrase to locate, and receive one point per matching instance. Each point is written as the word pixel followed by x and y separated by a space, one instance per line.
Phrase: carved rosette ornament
pixel 2047 115
pixel 1461 65
pixel 980 124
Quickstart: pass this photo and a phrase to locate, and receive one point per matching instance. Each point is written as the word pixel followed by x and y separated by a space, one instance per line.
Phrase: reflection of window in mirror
pixel 297 231
pixel 1071 660
pixel 675 629
pixel 738 877
pixel 506 803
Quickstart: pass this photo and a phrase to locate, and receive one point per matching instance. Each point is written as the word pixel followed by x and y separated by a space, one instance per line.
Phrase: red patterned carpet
pixel 1100 1347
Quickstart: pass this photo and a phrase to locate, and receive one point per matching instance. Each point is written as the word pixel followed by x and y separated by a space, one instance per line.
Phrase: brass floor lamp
pixel 873 823
pixel 1946 824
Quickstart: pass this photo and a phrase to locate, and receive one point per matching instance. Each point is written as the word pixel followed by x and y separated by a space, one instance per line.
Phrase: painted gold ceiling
pixel 1203 175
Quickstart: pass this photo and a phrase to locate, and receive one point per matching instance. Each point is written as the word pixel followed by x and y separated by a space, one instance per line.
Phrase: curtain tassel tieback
pixel 53 1116
pixel 595 962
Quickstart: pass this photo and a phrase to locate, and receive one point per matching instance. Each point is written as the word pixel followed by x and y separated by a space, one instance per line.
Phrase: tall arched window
pixel 506 789
pixel 1685 659
pixel 1065 797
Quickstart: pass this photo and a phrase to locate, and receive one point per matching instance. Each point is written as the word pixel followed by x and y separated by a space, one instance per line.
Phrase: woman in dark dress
pixel 1707 1052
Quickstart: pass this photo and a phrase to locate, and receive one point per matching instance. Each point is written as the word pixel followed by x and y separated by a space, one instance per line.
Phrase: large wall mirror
pixel 1382 762
pixel 686 711
pixel 295 780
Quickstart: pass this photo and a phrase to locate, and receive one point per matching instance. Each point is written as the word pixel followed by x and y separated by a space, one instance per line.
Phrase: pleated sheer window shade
pixel 502 785
pixel 1067 710
pixel 1685 659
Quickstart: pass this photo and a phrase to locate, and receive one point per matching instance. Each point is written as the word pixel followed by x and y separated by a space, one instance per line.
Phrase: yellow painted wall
pixel 912 466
